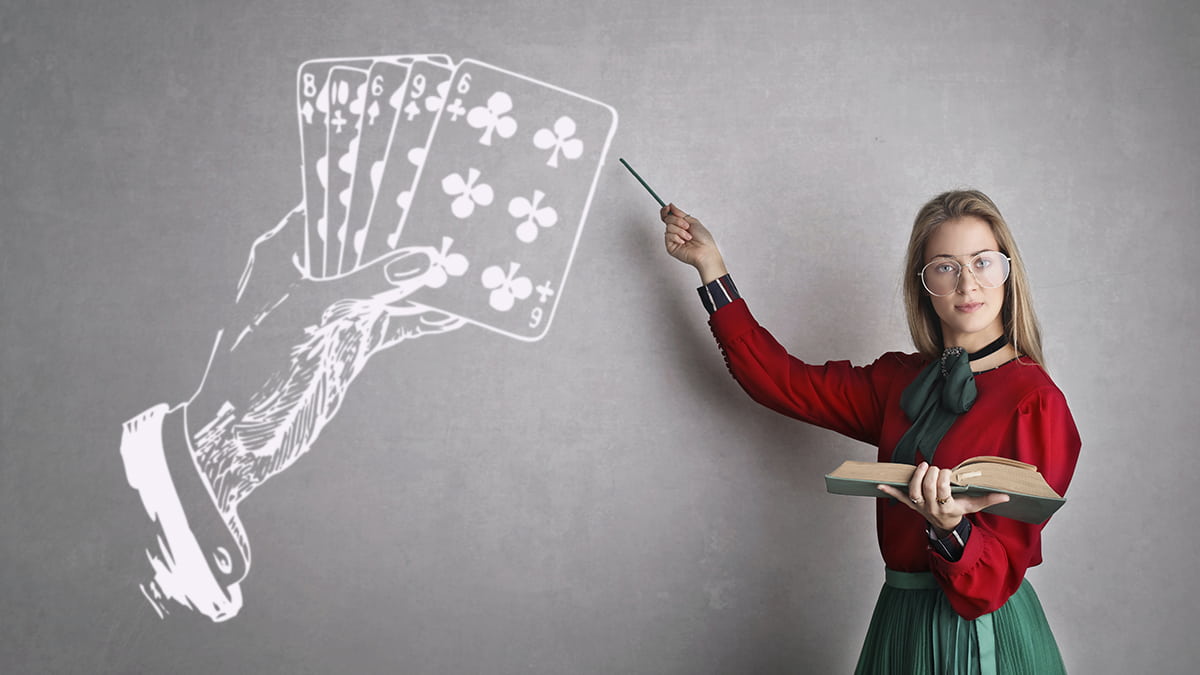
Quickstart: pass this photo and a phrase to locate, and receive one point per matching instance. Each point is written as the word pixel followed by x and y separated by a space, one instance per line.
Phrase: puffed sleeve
pixel 836 395
pixel 1000 549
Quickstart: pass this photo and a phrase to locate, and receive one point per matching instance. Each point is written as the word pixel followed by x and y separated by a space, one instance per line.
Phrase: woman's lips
pixel 969 307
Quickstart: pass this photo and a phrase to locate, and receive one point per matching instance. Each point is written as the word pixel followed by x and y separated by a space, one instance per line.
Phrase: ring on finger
pixel 917 500
pixel 942 502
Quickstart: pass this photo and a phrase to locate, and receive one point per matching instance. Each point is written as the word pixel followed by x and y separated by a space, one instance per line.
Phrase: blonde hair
pixel 1020 322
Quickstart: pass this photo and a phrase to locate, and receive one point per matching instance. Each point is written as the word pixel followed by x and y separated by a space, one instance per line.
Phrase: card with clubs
pixel 503 193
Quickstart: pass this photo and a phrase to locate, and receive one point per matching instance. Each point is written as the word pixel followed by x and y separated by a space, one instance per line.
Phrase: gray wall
pixel 605 500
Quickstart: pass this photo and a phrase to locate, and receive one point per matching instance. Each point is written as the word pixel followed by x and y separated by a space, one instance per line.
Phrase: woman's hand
pixel 689 241
pixel 929 495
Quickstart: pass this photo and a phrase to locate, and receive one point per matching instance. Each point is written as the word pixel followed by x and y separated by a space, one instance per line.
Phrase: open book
pixel 1030 498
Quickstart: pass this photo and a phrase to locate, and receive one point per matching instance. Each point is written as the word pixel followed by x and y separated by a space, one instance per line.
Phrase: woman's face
pixel 970 315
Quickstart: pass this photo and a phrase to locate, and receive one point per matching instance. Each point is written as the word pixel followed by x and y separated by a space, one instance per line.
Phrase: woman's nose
pixel 967 281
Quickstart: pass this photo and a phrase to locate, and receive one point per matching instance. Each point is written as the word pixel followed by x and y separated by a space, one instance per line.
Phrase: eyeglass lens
pixel 989 268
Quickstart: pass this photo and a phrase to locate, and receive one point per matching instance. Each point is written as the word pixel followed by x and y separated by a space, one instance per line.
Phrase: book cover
pixel 1031 499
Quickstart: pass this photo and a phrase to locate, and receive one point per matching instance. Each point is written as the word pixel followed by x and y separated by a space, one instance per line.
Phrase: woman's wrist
pixel 711 270
pixel 943 530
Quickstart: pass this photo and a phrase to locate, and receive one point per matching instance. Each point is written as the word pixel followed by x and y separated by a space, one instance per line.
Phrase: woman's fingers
pixel 928 490
pixel 935 488
pixel 671 212
pixel 929 493
pixel 916 486
pixel 681 232
pixel 929 483
pixel 942 494
pixel 677 221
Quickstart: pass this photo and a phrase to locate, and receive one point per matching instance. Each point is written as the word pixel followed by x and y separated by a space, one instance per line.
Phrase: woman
pixel 955 598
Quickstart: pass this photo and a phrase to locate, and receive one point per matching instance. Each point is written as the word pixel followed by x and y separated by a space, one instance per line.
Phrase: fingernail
pixel 406 266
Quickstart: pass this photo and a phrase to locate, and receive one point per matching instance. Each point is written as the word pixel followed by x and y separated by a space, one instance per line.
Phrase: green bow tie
pixel 944 390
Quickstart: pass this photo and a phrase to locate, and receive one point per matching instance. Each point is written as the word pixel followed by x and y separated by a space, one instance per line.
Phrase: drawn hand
pixel 282 365
pixel 688 241
pixel 279 371
pixel 930 484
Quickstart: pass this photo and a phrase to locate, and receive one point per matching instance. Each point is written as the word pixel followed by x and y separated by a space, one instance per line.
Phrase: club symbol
pixel 560 139
pixel 534 216
pixel 338 120
pixel 492 118
pixel 446 265
pixel 435 103
pixel 466 193
pixel 507 288
pixel 456 110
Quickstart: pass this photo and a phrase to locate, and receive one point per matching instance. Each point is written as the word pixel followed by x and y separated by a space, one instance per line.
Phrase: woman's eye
pixel 945 268
pixel 982 263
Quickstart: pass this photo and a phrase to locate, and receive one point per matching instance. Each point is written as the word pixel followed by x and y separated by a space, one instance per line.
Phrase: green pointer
pixel 648 188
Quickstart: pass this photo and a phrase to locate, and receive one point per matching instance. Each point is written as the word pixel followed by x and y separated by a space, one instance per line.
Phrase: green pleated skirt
pixel 914 631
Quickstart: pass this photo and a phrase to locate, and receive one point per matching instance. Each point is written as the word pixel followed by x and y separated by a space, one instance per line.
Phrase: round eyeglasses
pixel 989 268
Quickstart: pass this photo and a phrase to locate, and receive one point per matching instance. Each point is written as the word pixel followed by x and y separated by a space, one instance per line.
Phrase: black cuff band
pixel 718 293
pixel 952 545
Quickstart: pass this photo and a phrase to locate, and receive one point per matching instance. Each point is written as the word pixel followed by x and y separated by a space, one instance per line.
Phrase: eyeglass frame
pixel 958 275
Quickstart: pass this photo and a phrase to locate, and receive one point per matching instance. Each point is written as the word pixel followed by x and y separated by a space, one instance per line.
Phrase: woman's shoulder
pixel 1021 370
pixel 895 370
pixel 901 361
pixel 1025 381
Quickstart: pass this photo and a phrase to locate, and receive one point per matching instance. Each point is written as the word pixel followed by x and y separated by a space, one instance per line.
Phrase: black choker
pixel 995 346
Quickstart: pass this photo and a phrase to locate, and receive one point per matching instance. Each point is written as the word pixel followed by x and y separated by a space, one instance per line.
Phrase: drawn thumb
pixel 407 268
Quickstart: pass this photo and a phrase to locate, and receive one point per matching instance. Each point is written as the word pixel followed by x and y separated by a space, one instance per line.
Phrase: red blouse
pixel 1019 413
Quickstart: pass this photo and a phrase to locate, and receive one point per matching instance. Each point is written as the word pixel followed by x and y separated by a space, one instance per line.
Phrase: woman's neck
pixel 972 342
pixel 994 360
pixel 976 342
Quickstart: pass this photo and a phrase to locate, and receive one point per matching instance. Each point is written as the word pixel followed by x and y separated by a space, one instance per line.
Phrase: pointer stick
pixel 635 175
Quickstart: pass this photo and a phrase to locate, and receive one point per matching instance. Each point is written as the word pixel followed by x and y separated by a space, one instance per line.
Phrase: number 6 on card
pixel 503 194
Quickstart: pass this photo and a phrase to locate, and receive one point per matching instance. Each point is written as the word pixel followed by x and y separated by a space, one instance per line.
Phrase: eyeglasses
pixel 989 268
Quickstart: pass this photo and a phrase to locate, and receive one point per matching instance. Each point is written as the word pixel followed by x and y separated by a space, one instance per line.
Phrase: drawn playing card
pixel 508 178
pixel 417 105
pixel 385 90
pixel 312 107
pixel 347 89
